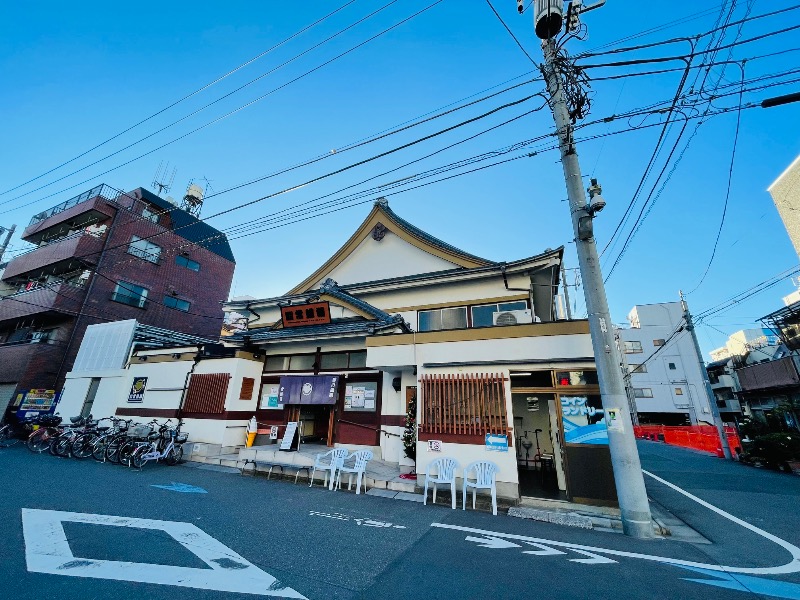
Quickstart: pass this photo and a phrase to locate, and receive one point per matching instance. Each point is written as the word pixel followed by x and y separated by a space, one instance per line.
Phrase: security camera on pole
pixel 631 492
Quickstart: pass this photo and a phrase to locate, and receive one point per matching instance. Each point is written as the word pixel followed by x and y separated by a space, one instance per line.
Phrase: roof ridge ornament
pixel 379 231
pixel 382 202
pixel 328 285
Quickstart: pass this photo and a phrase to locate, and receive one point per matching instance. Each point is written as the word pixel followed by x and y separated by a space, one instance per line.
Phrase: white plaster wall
pixel 516 349
pixel 109 392
pixel 390 257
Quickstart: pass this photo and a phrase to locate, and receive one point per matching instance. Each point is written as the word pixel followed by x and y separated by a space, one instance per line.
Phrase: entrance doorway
pixel 537 440
pixel 316 422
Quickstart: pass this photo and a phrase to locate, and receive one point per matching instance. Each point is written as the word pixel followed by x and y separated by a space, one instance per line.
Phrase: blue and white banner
pixel 583 423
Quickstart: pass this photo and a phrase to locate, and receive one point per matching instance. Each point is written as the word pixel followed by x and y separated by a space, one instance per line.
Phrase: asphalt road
pixel 285 540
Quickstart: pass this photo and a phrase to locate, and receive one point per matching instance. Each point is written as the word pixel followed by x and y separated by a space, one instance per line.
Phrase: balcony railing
pixel 62 297
pixel 81 245
pixel 102 190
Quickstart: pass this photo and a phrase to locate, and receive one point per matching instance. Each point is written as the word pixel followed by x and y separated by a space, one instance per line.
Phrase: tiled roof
pixel 417 232
pixel 382 320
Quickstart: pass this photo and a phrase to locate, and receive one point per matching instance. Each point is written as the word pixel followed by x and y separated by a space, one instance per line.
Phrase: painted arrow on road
pixel 746 583
pixel 492 542
pixel 543 550
pixel 183 488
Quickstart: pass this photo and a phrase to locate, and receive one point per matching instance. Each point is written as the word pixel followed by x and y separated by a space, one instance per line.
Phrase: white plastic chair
pixel 361 458
pixel 330 466
pixel 485 472
pixel 445 473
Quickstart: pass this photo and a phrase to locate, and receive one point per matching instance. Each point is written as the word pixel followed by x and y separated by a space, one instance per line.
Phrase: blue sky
pixel 73 75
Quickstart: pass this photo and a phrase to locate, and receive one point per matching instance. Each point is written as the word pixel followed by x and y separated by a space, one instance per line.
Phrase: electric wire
pixel 186 97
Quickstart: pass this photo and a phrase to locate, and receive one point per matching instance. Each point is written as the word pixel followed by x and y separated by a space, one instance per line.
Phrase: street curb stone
pixel 549 516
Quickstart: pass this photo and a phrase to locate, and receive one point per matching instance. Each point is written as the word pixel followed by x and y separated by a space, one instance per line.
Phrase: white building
pixel 663 367
pixel 394 316
pixel 743 341
pixel 785 192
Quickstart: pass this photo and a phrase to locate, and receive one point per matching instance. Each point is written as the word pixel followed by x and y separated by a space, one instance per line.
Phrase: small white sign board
pixel 288 436
pixel 614 420
pixel 47 551
pixel 434 446
pixel 273 432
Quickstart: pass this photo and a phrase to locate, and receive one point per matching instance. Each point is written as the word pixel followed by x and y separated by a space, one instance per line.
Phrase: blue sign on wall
pixel 497 442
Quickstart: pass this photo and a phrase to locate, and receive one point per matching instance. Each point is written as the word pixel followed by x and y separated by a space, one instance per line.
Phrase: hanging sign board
pixel 497 442
pixel 314 313
pixel 308 389
pixel 287 443
pixel 137 389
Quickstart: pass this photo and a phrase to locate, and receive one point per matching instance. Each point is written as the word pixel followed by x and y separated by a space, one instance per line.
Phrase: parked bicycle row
pixel 118 441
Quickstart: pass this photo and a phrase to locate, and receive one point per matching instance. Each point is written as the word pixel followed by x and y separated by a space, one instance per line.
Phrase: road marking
pixel 47 551
pixel 752 585
pixel 793 550
pixel 356 520
pixel 543 551
pixel 793 566
pixel 184 488
pixel 492 542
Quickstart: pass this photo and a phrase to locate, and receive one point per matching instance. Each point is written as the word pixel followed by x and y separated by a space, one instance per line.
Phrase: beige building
pixel 785 192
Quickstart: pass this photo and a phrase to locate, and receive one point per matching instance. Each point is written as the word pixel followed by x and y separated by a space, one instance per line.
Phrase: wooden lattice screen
pixel 206 393
pixel 246 393
pixel 463 404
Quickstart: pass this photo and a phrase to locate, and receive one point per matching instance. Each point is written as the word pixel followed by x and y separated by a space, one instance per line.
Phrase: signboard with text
pixel 137 389
pixel 497 442
pixel 314 313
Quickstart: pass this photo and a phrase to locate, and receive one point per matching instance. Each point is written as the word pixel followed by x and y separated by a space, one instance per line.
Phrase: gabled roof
pixel 381 214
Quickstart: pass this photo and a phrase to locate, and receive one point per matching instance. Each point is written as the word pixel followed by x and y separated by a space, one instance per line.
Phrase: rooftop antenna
pixel 160 179
pixel 208 185
pixel 193 200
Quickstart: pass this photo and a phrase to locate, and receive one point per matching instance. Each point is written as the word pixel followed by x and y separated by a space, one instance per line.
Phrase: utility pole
pixel 712 402
pixel 628 476
pixel 4 245
pixel 566 291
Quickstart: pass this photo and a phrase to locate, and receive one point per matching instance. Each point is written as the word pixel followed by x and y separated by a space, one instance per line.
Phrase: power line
pixel 231 113
pixel 186 97
pixel 511 33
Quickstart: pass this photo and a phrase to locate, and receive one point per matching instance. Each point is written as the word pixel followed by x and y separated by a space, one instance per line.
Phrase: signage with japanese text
pixel 137 389
pixel 314 313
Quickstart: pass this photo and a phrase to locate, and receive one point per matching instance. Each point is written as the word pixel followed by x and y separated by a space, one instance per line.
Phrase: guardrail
pixel 698 437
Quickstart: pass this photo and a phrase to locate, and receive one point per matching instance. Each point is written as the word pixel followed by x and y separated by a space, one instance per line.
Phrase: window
pixel 659 342
pixel 483 316
pixel 129 293
pixel 276 363
pixel 443 318
pixel 333 361
pixel 144 249
pixel 633 347
pixel 679 391
pixel 642 368
pixel 190 264
pixel 469 404
pixel 671 366
pixel 643 392
pixel 177 303
pixel 358 360
pixel 713 378
pixel 149 214
pixel 301 362
pixel 576 378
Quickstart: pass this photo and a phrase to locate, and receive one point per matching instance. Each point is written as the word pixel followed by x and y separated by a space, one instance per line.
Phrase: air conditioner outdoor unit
pixel 512 317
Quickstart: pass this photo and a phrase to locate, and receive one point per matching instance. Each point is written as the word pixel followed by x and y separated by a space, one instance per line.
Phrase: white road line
pixel 47 550
pixel 793 550
pixel 793 566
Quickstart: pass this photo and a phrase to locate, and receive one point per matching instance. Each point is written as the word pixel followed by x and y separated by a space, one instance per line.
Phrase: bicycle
pixel 101 443
pixel 83 445
pixel 137 435
pixel 14 430
pixel 61 444
pixel 168 445
pixel 39 440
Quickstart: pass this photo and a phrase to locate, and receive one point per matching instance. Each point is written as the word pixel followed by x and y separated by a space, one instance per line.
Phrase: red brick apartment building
pixel 101 256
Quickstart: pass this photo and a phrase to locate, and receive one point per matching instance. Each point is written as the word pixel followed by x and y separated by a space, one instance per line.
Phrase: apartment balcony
pixel 16 360
pixel 773 374
pixel 82 210
pixel 57 257
pixel 59 298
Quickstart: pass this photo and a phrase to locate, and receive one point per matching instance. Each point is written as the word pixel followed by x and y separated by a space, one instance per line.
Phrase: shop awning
pixel 309 389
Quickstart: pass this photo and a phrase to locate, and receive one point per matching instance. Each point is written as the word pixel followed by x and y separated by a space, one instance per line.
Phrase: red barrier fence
pixel 698 437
